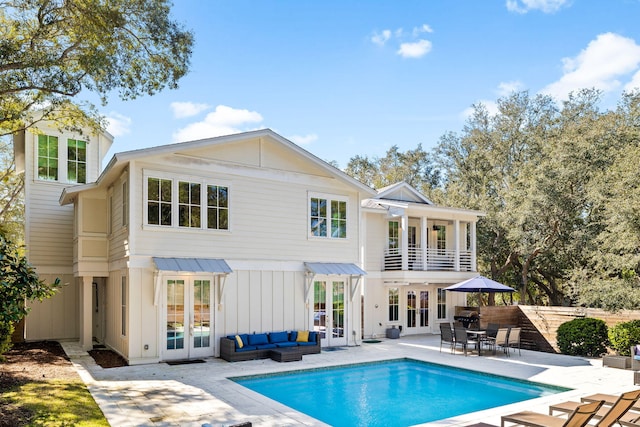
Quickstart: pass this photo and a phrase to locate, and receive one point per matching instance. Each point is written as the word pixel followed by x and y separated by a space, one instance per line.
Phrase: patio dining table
pixel 479 335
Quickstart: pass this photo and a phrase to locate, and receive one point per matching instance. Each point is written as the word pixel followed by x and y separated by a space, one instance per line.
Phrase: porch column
pixel 474 267
pixel 85 312
pixel 424 230
pixel 456 237
pixel 404 247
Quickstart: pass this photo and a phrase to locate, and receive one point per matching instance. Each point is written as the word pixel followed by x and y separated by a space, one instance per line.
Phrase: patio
pixel 199 394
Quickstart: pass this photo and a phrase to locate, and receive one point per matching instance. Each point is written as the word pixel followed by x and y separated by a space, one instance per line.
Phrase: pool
pixel 399 392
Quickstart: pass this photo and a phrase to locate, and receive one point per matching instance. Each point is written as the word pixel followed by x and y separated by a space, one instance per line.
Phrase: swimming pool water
pixel 400 392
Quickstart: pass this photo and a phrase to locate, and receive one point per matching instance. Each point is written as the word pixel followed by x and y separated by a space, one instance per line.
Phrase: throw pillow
pixel 239 342
pixel 303 336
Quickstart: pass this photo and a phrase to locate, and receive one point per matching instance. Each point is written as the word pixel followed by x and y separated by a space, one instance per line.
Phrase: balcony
pixel 433 260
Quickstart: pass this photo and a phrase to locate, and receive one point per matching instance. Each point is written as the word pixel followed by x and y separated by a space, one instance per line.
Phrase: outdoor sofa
pixel 236 348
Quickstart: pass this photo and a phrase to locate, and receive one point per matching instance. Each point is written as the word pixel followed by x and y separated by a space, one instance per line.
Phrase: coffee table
pixel 286 354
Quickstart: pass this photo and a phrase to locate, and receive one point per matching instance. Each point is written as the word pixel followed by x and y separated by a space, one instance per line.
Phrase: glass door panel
pixel 424 308
pixel 320 309
pixel 176 316
pixel 201 313
pixel 337 312
pixel 411 309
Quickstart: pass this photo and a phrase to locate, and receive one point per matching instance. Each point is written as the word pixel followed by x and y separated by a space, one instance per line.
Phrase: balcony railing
pixel 436 260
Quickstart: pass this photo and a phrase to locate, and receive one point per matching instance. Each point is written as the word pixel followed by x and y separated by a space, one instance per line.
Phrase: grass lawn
pixel 53 403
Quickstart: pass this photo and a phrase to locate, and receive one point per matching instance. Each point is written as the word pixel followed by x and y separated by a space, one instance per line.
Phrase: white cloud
pixel 507 88
pixel 304 139
pixel 491 107
pixel 223 121
pixel 187 109
pixel 381 38
pixel 415 50
pixel 605 60
pixel 422 29
pixel 546 6
pixel 634 84
pixel 117 124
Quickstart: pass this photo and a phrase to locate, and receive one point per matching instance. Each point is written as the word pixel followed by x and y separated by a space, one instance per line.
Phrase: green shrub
pixel 583 337
pixel 6 329
pixel 623 335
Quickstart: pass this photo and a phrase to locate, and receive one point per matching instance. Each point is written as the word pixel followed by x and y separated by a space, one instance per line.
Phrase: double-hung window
pixel 192 203
pixel 47 158
pixel 328 217
pixel 77 161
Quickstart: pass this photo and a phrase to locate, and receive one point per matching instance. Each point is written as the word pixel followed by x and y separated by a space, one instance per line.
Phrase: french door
pixel 329 315
pixel 417 318
pixel 188 313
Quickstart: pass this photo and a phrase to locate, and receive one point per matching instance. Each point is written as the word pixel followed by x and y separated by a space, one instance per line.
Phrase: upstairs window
pixel 159 201
pixel 328 217
pixel 195 204
pixel 47 158
pixel 189 204
pixel 217 207
pixel 77 161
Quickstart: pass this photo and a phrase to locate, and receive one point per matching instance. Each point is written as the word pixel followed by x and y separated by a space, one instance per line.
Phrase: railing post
pixel 404 247
pixel 456 237
pixel 424 234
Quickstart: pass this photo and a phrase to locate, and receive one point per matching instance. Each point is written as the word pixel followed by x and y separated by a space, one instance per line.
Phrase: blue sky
pixel 346 78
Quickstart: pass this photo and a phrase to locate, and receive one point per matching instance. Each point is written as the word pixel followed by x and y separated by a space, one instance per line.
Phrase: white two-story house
pixel 172 247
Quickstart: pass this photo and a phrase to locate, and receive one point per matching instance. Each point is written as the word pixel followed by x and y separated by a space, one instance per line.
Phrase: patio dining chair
pixel 500 340
pixel 514 339
pixel 446 336
pixel 492 331
pixel 462 339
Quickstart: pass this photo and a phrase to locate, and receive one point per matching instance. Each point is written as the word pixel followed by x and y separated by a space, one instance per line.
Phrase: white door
pixel 329 311
pixel 417 315
pixel 188 314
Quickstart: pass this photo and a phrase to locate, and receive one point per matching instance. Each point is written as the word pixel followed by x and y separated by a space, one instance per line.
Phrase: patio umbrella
pixel 479 284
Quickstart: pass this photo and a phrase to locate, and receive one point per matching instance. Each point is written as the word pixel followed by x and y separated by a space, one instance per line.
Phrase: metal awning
pixel 348 269
pixel 214 266
pixel 194 265
pixel 333 268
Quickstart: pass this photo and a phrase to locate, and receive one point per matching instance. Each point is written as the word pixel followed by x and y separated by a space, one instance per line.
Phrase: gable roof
pixel 120 161
pixel 404 192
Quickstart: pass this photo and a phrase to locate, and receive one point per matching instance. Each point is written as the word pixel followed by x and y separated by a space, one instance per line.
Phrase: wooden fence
pixel 540 324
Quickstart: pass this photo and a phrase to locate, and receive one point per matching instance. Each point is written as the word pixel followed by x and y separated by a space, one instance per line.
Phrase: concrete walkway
pixel 200 394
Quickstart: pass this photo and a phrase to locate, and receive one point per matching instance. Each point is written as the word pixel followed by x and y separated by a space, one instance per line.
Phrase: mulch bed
pixel 107 358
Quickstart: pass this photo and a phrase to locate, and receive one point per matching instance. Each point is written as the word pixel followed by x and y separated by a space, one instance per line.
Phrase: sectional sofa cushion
pixel 278 337
pixel 243 339
pixel 286 344
pixel 258 339
pixel 293 336
pixel 303 336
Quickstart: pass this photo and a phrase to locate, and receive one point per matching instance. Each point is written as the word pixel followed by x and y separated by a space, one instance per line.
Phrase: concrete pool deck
pixel 199 394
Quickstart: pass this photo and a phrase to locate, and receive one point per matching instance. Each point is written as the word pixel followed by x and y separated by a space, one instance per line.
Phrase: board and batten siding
pixel 375 240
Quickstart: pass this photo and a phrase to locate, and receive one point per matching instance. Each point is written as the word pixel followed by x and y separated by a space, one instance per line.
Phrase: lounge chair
pixel 607 415
pixel 578 418
pixel 609 399
pixel 446 336
pixel 462 339
pixel 635 357
pixel 514 339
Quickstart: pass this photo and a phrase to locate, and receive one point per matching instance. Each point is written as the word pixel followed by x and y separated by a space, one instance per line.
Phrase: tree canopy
pixel 52 50
pixel 560 187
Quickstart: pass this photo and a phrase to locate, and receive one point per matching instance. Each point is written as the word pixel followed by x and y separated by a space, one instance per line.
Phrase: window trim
pixel 75 161
pixel 329 199
pixel 36 156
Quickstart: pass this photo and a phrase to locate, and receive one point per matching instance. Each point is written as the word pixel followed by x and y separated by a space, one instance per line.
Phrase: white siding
pixel 57 317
